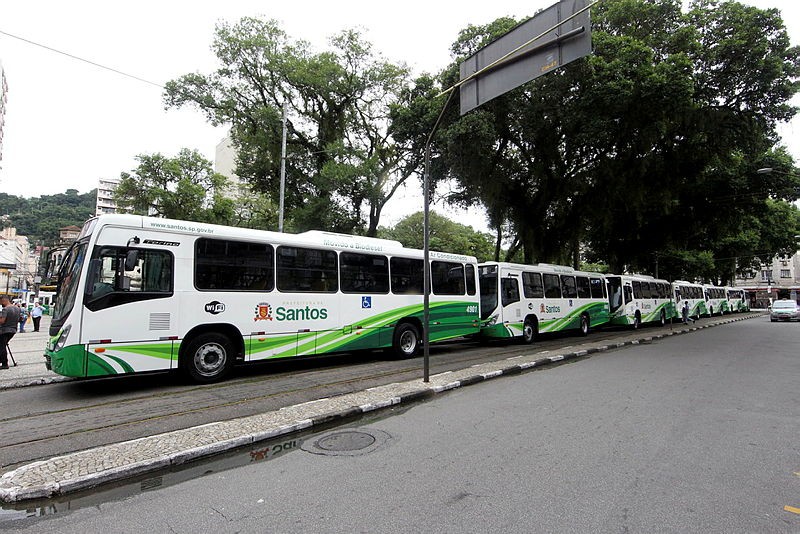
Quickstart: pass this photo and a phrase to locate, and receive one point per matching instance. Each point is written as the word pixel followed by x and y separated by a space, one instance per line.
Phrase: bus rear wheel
pixel 584 325
pixel 529 331
pixel 637 321
pixel 406 341
pixel 663 318
pixel 208 358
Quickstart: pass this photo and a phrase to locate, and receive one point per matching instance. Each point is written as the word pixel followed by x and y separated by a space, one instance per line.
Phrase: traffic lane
pixel 697 433
pixel 84 414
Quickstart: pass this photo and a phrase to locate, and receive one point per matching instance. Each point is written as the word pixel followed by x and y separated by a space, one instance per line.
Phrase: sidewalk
pixel 28 351
pixel 92 467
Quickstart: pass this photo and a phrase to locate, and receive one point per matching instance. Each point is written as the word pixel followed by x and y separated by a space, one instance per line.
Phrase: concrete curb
pixel 92 467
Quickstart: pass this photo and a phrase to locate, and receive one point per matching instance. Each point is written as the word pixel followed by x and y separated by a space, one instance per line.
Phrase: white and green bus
pixel 716 300
pixel 691 295
pixel 520 301
pixel 638 299
pixel 737 301
pixel 142 294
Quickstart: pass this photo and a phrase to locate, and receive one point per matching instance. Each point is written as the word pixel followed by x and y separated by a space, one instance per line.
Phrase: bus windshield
pixel 68 278
pixel 488 279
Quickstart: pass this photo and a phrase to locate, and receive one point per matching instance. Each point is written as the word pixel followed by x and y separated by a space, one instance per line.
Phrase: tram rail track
pixel 79 414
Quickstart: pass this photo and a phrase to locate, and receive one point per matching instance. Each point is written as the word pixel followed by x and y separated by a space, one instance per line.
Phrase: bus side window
pixel 552 286
pixel 532 285
pixel 471 287
pixel 596 288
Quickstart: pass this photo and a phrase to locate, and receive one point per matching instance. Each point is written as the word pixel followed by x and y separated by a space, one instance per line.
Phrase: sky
pixel 68 124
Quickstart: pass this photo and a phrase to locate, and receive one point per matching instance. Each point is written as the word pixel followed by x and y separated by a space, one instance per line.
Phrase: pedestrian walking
pixel 9 318
pixel 685 313
pixel 23 317
pixel 36 315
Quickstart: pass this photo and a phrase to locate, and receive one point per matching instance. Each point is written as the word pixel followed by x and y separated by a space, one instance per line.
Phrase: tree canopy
pixel 183 187
pixel 39 218
pixel 341 158
pixel 446 235
pixel 649 147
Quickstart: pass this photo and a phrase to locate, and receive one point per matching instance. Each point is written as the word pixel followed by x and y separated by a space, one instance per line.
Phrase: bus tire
pixel 530 330
pixel 637 321
pixel 663 318
pixel 406 341
pixel 584 328
pixel 208 358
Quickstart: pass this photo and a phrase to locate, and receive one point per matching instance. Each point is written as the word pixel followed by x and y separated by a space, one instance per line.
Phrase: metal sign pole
pixel 426 273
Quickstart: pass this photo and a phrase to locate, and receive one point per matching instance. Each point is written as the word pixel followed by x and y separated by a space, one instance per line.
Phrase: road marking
pixel 792 509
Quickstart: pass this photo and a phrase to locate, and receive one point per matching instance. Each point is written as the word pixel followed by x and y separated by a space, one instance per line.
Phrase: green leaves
pixel 340 154
pixel 184 187
pixel 631 151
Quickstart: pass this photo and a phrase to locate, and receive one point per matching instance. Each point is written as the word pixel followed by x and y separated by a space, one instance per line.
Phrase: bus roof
pixel 309 238
pixel 541 267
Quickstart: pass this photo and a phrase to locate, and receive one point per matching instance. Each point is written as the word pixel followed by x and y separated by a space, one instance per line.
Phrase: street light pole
pixel 283 169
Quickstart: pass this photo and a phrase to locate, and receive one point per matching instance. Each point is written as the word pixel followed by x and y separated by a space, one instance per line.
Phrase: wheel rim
pixel 584 325
pixel 527 332
pixel 408 342
pixel 210 359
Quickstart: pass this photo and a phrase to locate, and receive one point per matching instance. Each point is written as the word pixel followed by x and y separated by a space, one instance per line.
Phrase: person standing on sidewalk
pixel 36 315
pixel 9 317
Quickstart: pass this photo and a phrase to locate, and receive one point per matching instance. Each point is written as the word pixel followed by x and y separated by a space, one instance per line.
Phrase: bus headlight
pixel 62 339
pixel 492 320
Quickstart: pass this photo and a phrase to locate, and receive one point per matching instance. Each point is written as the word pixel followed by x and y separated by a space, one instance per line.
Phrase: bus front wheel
pixel 406 341
pixel 208 358
pixel 637 321
pixel 529 331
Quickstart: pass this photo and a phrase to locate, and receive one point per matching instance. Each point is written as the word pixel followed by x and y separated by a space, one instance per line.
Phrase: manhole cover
pixel 349 442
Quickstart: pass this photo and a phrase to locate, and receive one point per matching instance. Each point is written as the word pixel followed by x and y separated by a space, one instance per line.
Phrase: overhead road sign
pixel 552 38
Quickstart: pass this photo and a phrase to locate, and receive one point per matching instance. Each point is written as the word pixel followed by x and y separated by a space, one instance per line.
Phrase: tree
pixel 445 236
pixel 622 152
pixel 340 154
pixel 183 187
pixel 39 218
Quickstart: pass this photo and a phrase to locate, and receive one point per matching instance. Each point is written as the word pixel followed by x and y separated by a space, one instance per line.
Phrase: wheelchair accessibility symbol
pixel 366 302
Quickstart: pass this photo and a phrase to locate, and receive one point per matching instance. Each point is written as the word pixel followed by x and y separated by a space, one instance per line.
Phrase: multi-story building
pixel 16 275
pixel 105 196
pixel 3 100
pixel 780 279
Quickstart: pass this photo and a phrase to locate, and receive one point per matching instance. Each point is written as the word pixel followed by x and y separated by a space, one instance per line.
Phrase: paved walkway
pixel 28 351
pixel 89 468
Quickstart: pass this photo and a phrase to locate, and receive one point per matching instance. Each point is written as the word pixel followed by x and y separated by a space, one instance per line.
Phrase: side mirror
pixel 131 259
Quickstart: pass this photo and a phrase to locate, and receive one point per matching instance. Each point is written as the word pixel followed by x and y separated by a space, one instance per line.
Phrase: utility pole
pixel 283 169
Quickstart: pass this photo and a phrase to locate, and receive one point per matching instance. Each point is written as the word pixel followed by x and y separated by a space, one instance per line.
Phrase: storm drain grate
pixel 348 442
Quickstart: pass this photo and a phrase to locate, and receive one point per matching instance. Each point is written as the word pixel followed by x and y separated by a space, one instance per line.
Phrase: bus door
pixel 614 293
pixel 510 299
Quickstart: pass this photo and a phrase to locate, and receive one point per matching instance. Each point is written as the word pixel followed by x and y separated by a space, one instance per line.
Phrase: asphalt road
pixel 694 433
pixel 48 420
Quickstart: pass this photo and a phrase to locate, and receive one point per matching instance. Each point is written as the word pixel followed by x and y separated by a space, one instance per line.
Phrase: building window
pixel 766 275
pixel 785 273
